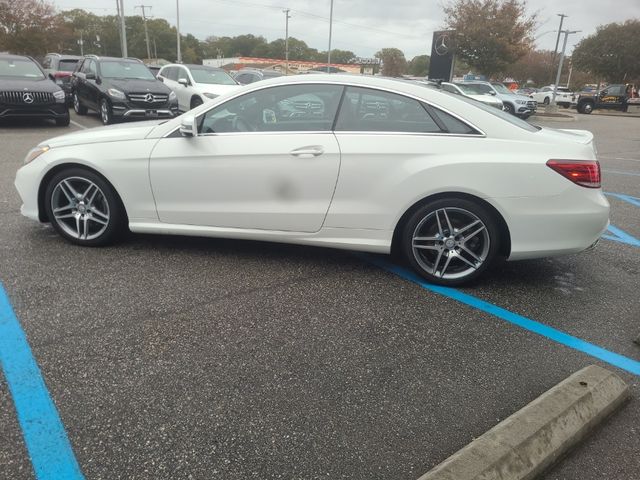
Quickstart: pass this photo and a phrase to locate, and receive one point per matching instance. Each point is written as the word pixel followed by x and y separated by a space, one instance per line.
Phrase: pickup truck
pixel 564 96
pixel 614 97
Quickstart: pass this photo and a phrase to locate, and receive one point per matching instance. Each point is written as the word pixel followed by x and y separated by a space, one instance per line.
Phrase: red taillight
pixel 61 74
pixel 585 173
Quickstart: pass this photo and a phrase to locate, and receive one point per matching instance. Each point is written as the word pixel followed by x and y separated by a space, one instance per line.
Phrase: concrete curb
pixel 561 117
pixel 529 441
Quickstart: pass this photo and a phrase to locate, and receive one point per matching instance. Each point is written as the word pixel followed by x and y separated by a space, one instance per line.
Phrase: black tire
pixel 546 100
pixel 77 105
pixel 64 121
pixel 106 112
pixel 585 107
pixel 509 108
pixel 105 200
pixel 196 102
pixel 480 248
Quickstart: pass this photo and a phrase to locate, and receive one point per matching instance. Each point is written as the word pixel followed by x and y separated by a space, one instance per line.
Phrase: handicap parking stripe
pixel 558 336
pixel 44 435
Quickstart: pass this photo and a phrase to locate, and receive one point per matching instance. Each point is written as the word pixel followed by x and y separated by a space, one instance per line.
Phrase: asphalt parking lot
pixel 183 358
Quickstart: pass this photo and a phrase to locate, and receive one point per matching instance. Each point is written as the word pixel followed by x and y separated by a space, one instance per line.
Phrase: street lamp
pixel 330 30
pixel 179 59
pixel 564 47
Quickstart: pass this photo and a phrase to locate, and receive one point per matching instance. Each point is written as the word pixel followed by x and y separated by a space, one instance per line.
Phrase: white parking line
pixel 78 125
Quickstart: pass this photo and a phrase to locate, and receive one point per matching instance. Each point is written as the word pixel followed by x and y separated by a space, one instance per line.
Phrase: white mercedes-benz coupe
pixel 339 161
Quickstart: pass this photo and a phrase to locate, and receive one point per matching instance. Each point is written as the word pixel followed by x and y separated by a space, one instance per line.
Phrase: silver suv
pixel 516 104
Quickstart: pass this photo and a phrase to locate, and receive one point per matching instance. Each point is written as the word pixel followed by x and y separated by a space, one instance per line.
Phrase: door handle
pixel 312 151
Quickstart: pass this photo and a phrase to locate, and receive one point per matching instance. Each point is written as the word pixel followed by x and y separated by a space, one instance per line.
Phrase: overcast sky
pixel 362 26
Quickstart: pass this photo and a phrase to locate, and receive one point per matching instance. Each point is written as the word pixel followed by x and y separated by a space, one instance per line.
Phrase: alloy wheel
pixel 450 243
pixel 80 208
pixel 105 113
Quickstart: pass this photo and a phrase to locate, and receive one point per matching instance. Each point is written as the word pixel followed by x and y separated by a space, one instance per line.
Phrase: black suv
pixel 120 88
pixel 25 91
pixel 59 68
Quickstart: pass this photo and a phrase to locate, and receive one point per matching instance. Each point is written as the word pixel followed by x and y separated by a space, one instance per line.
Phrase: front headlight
pixel 210 95
pixel 59 96
pixel 35 153
pixel 115 93
pixel 172 96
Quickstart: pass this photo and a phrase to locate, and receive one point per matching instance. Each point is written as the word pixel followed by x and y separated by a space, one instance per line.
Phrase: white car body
pixel 564 96
pixel 188 91
pixel 488 99
pixel 253 185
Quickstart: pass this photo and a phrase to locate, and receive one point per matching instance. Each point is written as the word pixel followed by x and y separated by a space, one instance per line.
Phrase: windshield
pixel 125 70
pixel 19 68
pixel 473 89
pixel 512 119
pixel 500 88
pixel 211 76
pixel 67 65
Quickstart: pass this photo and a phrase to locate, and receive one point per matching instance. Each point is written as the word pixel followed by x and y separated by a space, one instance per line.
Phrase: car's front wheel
pixel 196 102
pixel 77 105
pixel 84 208
pixel 509 108
pixel 450 241
pixel 106 113
pixel 63 121
pixel 546 100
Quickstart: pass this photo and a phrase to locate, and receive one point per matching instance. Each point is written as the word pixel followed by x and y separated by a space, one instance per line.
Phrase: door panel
pixel 270 181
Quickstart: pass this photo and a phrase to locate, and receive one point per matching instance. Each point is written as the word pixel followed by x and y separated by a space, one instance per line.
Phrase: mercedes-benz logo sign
pixel 149 97
pixel 27 97
pixel 442 44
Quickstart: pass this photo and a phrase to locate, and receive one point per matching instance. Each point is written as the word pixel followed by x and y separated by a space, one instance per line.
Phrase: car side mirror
pixel 188 126
pixel 160 78
pixel 90 76
pixel 183 81
pixel 52 77
pixel 492 93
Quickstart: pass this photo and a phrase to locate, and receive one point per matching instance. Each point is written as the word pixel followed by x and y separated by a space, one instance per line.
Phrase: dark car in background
pixel 120 89
pixel 59 68
pixel 26 92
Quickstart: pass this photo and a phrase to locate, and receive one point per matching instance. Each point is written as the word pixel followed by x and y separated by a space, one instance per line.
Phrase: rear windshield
pixel 67 65
pixel 512 119
pixel 125 70
pixel 19 68
pixel 211 76
pixel 473 89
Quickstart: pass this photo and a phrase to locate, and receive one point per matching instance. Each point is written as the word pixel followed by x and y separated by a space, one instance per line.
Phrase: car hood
pixel 137 86
pixel 113 133
pixel 28 84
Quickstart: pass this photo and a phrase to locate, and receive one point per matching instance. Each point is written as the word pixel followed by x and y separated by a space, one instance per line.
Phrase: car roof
pixel 191 65
pixel 10 56
pixel 65 57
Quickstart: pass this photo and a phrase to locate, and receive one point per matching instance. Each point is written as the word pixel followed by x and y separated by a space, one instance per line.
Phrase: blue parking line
pixel 619 235
pixel 625 198
pixel 51 455
pixel 558 336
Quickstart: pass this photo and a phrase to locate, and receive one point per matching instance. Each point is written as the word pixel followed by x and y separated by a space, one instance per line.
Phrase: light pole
pixel 123 30
pixel 286 40
pixel 179 59
pixel 564 47
pixel 555 50
pixel 146 31
pixel 330 31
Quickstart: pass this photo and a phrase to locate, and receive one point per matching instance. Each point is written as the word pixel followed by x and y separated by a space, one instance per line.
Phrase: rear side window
pixel 451 124
pixel 67 65
pixel 369 110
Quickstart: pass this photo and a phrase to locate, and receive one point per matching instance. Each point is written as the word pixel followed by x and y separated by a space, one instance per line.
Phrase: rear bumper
pixel 548 226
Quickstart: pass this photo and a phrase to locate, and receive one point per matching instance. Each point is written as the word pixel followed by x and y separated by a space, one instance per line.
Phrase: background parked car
pixel 155 69
pixel 120 88
pixel 251 75
pixel 472 91
pixel 195 84
pixel 60 68
pixel 564 96
pixel 26 92
pixel 519 105
pixel 613 97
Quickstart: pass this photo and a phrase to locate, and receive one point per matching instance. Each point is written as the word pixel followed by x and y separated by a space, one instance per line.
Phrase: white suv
pixel 564 96
pixel 514 103
pixel 195 84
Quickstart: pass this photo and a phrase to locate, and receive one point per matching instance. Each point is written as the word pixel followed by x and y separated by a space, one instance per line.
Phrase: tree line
pixel 493 37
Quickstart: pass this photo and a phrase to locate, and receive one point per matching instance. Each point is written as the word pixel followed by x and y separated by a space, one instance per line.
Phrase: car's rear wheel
pixel 77 105
pixel 106 114
pixel 450 241
pixel 84 208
